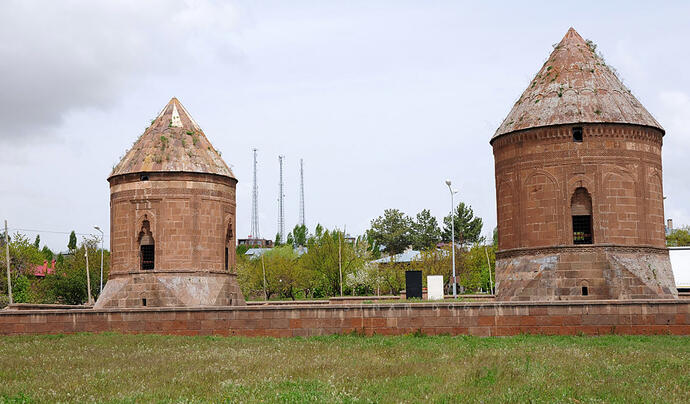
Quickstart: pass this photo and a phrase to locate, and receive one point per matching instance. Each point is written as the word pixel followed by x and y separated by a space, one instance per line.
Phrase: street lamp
pixel 99 229
pixel 452 231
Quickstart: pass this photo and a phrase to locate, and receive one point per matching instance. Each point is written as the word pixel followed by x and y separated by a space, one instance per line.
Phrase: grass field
pixel 150 368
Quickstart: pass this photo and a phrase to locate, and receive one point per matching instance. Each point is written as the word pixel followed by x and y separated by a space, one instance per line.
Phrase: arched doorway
pixel 581 211
pixel 147 248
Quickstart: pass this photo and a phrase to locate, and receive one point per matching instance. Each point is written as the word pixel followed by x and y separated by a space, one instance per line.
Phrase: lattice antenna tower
pixel 301 193
pixel 281 202
pixel 255 205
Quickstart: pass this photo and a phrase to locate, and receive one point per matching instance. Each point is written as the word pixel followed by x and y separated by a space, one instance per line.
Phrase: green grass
pixel 152 368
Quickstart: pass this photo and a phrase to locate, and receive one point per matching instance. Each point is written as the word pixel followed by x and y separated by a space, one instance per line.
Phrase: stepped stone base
pixel 171 289
pixel 584 273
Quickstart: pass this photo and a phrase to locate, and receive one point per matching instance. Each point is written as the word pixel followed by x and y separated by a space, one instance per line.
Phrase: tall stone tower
pixel 172 220
pixel 579 187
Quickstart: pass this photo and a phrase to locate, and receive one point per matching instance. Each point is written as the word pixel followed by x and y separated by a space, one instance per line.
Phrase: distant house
pixel 680 263
pixel 406 256
pixel 42 270
pixel 255 242
pixel 258 252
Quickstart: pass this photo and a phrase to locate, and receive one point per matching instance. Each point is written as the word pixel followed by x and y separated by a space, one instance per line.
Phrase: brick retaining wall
pixel 474 318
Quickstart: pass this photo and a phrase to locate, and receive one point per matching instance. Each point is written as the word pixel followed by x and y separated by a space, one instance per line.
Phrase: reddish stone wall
pixel 538 170
pixel 484 319
pixel 191 219
pixel 189 216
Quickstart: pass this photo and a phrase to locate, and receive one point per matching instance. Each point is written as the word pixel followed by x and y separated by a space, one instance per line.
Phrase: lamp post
pixel 452 232
pixel 102 236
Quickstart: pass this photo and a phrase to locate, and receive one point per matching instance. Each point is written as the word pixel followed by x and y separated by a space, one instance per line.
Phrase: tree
pixel 37 241
pixel 393 230
pixel 47 253
pixel 425 231
pixel 278 241
pixel 679 237
pixel 468 228
pixel 72 245
pixel 67 284
pixel 300 235
pixel 290 240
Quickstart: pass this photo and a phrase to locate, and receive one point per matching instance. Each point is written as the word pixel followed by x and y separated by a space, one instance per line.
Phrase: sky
pixel 383 100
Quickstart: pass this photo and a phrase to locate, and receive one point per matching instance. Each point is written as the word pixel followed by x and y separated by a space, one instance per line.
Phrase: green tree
pixel 425 231
pixel 679 237
pixel 290 240
pixel 37 241
pixel 300 235
pixel 468 228
pixel 47 253
pixel 278 241
pixel 72 245
pixel 393 231
pixel 68 283
pixel 473 272
pixel 321 261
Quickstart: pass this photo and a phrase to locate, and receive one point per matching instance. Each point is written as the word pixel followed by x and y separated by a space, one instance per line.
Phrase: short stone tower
pixel 579 187
pixel 172 220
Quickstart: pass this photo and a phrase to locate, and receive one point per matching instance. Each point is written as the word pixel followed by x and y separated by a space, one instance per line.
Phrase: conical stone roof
pixel 173 143
pixel 575 86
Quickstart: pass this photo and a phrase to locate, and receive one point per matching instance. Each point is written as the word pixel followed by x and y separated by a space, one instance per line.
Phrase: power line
pixel 52 231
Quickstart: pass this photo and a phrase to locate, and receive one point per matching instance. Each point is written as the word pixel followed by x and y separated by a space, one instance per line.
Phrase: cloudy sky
pixel 382 100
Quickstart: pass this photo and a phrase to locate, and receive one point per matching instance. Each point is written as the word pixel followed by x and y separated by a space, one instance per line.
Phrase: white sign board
pixel 680 263
pixel 434 287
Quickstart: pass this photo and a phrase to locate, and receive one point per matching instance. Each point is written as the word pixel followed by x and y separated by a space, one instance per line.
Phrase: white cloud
pixel 61 56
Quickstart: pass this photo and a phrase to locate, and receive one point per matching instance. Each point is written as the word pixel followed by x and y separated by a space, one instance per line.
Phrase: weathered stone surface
pixel 608 272
pixel 575 85
pixel 166 289
pixel 174 142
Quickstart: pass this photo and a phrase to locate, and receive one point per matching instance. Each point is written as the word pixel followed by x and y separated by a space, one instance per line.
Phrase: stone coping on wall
pixel 320 306
pixel 584 248
pixel 184 272
pixel 42 307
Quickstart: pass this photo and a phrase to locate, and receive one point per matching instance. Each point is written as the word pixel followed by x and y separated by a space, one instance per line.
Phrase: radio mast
pixel 301 193
pixel 255 205
pixel 281 203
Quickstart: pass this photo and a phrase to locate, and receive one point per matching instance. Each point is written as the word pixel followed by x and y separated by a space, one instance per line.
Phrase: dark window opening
pixel 581 211
pixel 577 134
pixel 143 302
pixel 585 291
pixel 144 178
pixel 582 229
pixel 147 256
pixel 226 258
pixel 147 251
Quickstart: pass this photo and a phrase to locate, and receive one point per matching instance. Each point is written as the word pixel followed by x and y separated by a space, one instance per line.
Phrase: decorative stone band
pixel 181 272
pixel 519 252
pixel 610 130
pixel 170 176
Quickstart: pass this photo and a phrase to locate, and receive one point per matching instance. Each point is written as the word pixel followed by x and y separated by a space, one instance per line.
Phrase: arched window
pixel 581 210
pixel 228 241
pixel 147 250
